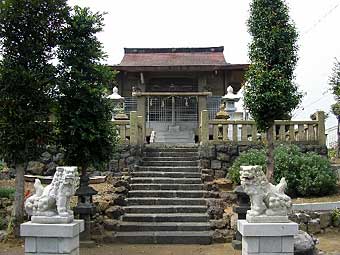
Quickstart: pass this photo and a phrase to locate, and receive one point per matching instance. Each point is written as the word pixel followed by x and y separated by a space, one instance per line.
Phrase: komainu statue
pixel 51 204
pixel 268 202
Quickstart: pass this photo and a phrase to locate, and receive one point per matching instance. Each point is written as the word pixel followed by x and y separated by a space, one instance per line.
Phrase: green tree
pixel 84 118
pixel 270 92
pixel 334 82
pixel 29 31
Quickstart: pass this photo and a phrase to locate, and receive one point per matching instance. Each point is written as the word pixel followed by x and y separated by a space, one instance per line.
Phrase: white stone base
pixel 52 220
pixel 267 238
pixel 267 219
pixel 47 239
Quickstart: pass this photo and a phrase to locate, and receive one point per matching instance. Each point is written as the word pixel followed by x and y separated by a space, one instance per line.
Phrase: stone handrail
pixel 131 131
pixel 245 131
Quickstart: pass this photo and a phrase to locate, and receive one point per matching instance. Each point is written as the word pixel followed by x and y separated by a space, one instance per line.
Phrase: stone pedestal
pixel 56 239
pixel 267 238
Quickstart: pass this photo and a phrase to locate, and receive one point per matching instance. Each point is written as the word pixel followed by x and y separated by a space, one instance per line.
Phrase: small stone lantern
pixel 229 101
pixel 118 103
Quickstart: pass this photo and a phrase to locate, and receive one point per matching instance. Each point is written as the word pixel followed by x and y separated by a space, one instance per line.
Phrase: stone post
pixel 141 106
pixel 133 128
pixel 320 117
pixel 204 127
pixel 267 238
pixel 202 105
pixel 48 239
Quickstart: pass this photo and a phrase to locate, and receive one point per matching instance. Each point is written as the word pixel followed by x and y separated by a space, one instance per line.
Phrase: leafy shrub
pixel 307 174
pixel 7 192
pixel 336 217
pixel 249 158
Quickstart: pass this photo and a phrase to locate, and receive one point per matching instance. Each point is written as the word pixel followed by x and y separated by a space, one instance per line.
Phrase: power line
pixel 302 108
pixel 321 19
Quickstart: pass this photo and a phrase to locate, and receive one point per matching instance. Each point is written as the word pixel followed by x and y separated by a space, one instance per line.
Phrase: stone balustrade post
pixel 133 128
pixel 320 117
pixel 204 127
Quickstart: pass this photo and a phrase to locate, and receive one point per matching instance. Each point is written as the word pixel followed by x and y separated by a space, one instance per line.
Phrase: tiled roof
pixel 173 57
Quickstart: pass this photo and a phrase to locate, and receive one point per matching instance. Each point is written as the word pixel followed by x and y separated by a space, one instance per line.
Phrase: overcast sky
pixel 202 23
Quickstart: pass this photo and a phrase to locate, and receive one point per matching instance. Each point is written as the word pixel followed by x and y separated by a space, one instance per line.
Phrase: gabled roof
pixel 157 57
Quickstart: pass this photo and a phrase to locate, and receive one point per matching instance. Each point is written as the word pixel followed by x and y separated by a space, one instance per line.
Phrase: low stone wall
pixel 314 222
pixel 110 203
pixel 6 206
pixel 216 159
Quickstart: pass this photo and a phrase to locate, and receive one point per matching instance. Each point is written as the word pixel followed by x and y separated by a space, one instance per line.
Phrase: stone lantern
pixel 118 103
pixel 229 101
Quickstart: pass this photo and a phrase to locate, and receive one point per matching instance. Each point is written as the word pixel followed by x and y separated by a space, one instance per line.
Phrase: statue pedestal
pixel 267 238
pixel 46 239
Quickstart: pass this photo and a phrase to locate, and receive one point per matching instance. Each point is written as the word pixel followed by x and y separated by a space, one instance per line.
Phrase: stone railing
pixel 131 131
pixel 245 131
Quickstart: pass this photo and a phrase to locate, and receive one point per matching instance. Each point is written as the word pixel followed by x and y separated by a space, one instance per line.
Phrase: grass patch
pixel 7 192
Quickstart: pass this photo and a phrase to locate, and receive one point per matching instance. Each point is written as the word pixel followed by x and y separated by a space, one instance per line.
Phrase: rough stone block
pixel 325 219
pixel 223 157
pixel 219 174
pixel 205 163
pixel 216 164
pixel 208 171
pixel 314 226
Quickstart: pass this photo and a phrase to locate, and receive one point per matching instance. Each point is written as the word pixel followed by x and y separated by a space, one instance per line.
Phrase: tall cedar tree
pixel 84 118
pixel 334 82
pixel 29 31
pixel 270 93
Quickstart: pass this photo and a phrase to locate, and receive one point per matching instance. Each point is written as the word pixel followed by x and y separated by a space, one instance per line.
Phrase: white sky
pixel 203 23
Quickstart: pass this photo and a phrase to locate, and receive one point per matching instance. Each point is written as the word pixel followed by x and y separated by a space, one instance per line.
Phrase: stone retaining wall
pixel 216 159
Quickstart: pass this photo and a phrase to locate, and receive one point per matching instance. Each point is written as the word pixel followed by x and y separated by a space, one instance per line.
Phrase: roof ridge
pixel 174 50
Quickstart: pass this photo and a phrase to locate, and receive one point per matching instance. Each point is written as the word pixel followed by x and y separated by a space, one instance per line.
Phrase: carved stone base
pixel 52 220
pixel 267 219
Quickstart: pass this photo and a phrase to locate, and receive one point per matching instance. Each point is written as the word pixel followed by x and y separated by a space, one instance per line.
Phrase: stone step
pixel 164 237
pixel 170 163
pixel 166 193
pixel 167 174
pixel 171 149
pixel 143 186
pixel 165 201
pixel 164 226
pixel 166 209
pixel 170 158
pixel 172 154
pixel 161 180
pixel 174 140
pixel 191 169
pixel 166 217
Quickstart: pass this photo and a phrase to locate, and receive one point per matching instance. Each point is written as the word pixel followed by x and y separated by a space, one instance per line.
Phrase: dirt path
pixel 124 249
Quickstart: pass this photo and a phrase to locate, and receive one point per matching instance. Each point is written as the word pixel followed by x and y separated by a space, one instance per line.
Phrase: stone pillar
pixel 141 106
pixel 202 105
pixel 56 239
pixel 267 238
pixel 320 117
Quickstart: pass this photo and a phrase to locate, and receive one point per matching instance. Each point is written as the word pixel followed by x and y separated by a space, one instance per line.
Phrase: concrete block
pixel 47 245
pixel 66 245
pixel 270 244
pixel 30 244
pixel 267 229
pixel 250 244
pixel 51 230
pixel 287 244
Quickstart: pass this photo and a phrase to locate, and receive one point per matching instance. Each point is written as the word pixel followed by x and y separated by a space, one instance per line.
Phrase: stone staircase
pixel 175 136
pixel 166 202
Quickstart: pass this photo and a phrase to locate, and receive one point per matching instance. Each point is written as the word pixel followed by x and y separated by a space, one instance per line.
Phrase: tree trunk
pixel 19 198
pixel 338 145
pixel 270 154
